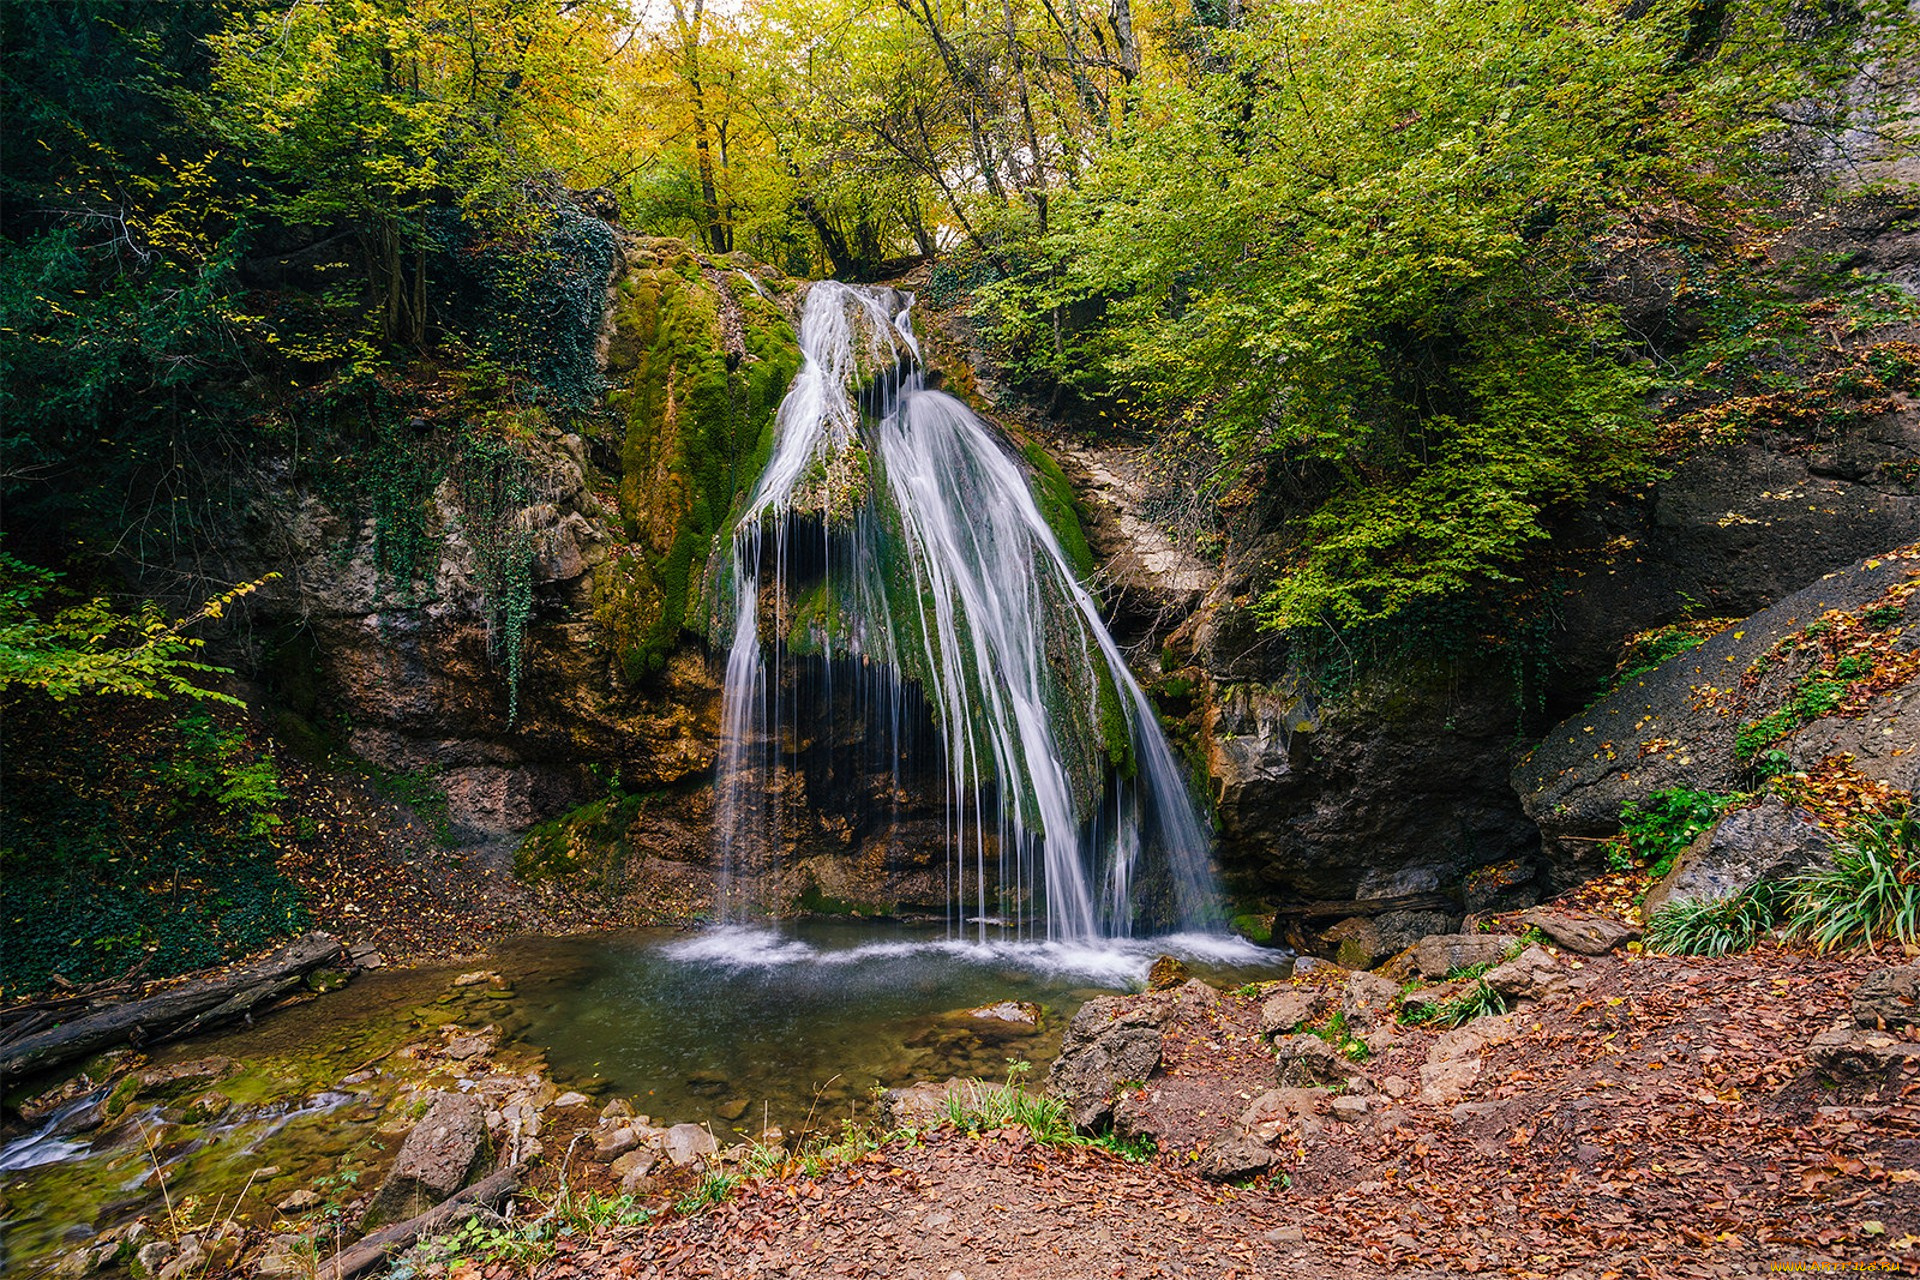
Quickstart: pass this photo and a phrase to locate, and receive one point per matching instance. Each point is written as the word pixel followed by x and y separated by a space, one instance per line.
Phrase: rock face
pixel 1769 841
pixel 1440 955
pixel 439 1155
pixel 1698 720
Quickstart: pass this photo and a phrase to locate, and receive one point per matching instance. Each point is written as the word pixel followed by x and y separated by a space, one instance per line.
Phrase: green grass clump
pixel 1870 894
pixel 1717 927
pixel 1659 828
pixel 1476 1001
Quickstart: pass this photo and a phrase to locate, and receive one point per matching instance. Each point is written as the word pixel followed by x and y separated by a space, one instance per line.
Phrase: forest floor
pixel 1662 1120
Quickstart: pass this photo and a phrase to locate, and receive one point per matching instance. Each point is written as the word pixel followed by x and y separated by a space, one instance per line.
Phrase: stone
pixel 1440 955
pixel 1586 935
pixel 572 1098
pixel 1233 1156
pixel 463 1048
pixel 1355 943
pixel 1453 1062
pixel 687 1144
pixel 924 1103
pixel 642 1160
pixel 439 1155
pixel 1528 976
pixel 1888 999
pixel 176 1078
pixel 1769 841
pixel 1861 1057
pixel 476 977
pixel 1279 1110
pixel 1395 1087
pixel 210 1105
pixel 1348 1107
pixel 617 1109
pixel 1368 1003
pixel 1286 1235
pixel 1291 1008
pixel 150 1257
pixel 733 1108
pixel 1022 1012
pixel 1112 1040
pixel 1166 973
pixel 1307 1062
pixel 299 1202
pixel 611 1144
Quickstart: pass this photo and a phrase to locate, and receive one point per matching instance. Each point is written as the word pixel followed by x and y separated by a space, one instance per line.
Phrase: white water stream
pixel 1062 792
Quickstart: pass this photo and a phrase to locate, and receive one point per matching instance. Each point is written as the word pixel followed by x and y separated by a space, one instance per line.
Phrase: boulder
pixel 1584 934
pixel 1857 1056
pixel 924 1103
pixel 1303 1062
pixel 1368 1003
pixel 1355 943
pixel 1769 841
pixel 1453 1063
pixel 176 1078
pixel 437 1158
pixel 1528 976
pixel 1438 956
pixel 1888 999
pixel 1233 1156
pixel 687 1144
pixel 1113 1040
pixel 1166 973
pixel 1291 1008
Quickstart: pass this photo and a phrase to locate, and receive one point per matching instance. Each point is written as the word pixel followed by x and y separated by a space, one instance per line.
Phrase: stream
pixel 734 1027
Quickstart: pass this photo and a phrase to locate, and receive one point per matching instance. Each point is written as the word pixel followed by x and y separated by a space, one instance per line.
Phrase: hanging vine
pixel 495 484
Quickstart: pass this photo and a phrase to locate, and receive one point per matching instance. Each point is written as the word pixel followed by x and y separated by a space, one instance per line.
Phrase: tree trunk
pixel 171 1014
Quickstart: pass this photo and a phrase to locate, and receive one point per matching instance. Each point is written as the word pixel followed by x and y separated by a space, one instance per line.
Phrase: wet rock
pixel 1888 999
pixel 1440 955
pixel 175 1079
pixel 437 1158
pixel 463 1048
pixel 81 1119
pixel 36 1109
pixel 1304 1062
pixel 476 977
pixel 1166 973
pixel 687 1144
pixel 1355 943
pixel 732 1109
pixel 571 1098
pixel 1583 934
pixel 210 1105
pixel 1770 841
pixel 1018 1012
pixel 1290 1008
pixel 1112 1041
pixel 366 956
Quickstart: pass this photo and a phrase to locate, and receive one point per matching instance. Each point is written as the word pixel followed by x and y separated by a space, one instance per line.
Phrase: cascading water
pixel 892 542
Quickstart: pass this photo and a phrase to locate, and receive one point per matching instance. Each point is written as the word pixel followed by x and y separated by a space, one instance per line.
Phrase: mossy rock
pixel 699 363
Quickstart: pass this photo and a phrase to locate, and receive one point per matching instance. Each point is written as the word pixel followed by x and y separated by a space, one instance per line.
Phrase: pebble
pixel 571 1099
pixel 300 1201
pixel 1286 1235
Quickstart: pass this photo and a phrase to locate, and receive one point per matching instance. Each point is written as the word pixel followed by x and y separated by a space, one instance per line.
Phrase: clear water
pixel 808 1019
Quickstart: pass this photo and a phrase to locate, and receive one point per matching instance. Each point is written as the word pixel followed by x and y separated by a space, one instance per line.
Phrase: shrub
pixel 1871 893
pixel 1716 927
pixel 1658 828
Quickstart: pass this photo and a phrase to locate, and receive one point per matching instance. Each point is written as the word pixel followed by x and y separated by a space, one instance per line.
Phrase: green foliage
pixel 131 833
pixel 1358 242
pixel 1818 694
pixel 1476 1001
pixel 1659 828
pixel 1333 1030
pixel 93 648
pixel 1871 893
pixel 1716 927
pixel 982 1108
pixel 495 485
pixel 418 789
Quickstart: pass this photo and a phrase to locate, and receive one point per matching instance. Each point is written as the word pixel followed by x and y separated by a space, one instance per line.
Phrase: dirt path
pixel 1660 1120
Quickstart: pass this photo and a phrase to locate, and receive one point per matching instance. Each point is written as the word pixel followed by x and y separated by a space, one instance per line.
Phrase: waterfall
pixel 892 543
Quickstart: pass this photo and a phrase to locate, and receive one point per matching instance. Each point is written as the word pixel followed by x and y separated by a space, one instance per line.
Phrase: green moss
pixel 698 434
pixel 587 844
pixel 815 901
pixel 1254 928
pixel 1060 509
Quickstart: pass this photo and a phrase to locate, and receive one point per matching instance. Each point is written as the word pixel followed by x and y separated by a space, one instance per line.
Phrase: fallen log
pixel 174 1013
pixel 376 1248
